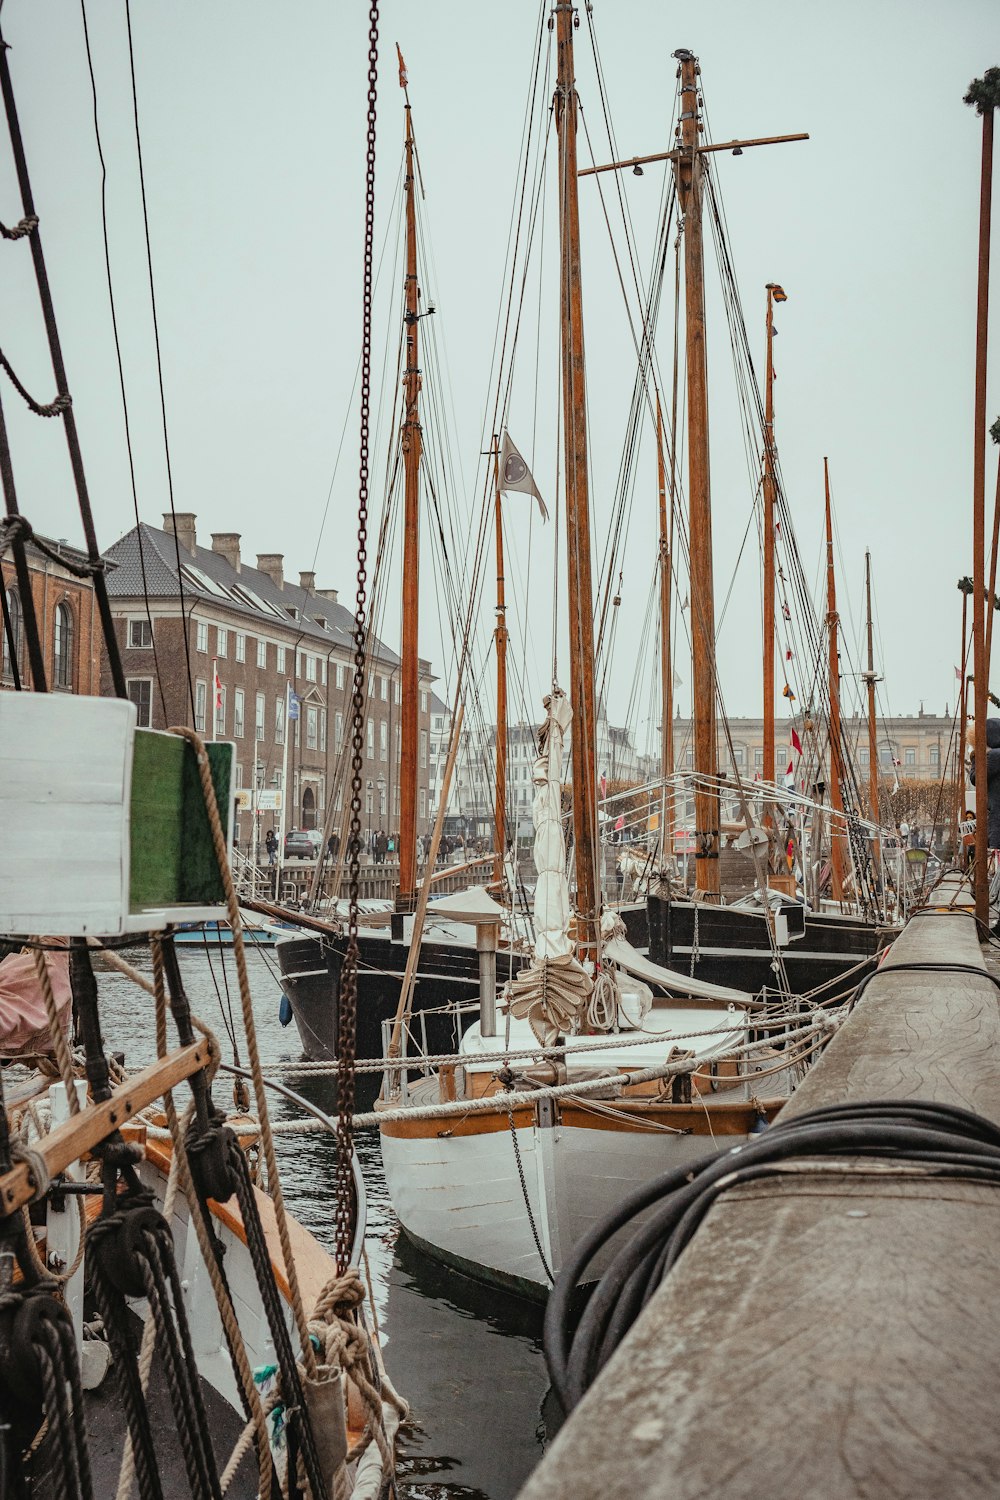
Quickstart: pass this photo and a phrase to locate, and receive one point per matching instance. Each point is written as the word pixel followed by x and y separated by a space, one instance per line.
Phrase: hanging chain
pixel 348 989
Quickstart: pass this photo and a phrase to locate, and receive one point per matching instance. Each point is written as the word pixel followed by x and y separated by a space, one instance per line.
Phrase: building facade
pixel 242 653
pixel 69 625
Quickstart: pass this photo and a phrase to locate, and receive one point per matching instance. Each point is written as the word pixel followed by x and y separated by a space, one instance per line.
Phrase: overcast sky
pixel 252 120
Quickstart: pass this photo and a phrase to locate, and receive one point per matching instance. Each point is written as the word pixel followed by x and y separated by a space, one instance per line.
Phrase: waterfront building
pixel 68 622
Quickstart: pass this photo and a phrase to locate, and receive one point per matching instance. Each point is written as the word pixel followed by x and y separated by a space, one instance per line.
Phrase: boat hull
pixel 461 1194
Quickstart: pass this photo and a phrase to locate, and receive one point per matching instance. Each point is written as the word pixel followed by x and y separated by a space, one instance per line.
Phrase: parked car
pixel 315 837
pixel 298 844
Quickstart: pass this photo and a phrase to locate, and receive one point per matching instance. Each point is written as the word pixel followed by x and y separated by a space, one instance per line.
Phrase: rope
pixel 21 229
pixel 181 1170
pixel 59 1043
pixel 50 409
pixel 18 528
pixel 253 1052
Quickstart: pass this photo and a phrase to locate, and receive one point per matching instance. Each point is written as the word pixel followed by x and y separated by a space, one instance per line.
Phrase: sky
pixel 252 124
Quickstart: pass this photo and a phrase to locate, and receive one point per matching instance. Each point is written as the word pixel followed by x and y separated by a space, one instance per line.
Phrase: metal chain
pixel 348 988
pixel 527 1201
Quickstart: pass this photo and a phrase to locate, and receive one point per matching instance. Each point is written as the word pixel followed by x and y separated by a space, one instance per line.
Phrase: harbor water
pixel 468 1359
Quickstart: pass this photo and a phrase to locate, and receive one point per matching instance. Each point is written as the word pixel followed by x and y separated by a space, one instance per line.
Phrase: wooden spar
pixel 980 666
pixel 734 146
pixel 81 1132
pixel 768 527
pixel 836 797
pixel 580 591
pixel 411 444
pixel 870 680
pixel 666 664
pixel 500 636
pixel 689 169
pixel 965 587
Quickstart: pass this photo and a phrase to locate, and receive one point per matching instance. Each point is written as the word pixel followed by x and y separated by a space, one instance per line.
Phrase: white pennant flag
pixel 515 474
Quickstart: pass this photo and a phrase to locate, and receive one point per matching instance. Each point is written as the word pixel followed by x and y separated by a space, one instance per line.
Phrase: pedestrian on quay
pixel 271 845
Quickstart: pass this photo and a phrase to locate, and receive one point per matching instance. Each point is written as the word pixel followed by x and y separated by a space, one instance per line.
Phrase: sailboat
pixel 627 1083
pixel 201 1288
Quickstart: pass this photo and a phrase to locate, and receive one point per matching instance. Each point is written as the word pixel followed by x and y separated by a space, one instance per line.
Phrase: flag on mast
pixel 402 68
pixel 796 743
pixel 216 684
pixel 515 474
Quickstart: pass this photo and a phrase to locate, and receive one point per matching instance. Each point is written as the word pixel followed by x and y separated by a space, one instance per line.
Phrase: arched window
pixel 14 614
pixel 308 808
pixel 64 646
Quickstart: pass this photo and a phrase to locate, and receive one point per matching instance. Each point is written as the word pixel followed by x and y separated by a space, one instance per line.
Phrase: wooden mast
pixel 769 495
pixel 666 664
pixel 690 169
pixel 984 93
pixel 870 680
pixel 580 591
pixel 836 798
pixel 411 444
pixel 500 636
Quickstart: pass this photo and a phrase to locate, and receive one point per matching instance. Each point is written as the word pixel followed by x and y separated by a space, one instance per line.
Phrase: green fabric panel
pixel 202 883
pixel 173 860
pixel 156 819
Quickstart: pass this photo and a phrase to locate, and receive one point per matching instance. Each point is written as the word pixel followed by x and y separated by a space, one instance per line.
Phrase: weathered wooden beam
pixel 68 1142
pixel 834 1331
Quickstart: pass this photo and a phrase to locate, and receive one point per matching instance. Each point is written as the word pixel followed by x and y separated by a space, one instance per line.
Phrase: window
pixel 140 692
pixel 885 756
pixel 310 668
pixel 222 640
pixel 17 632
pixel 689 758
pixel 201 635
pixel 382 800
pixel 259 712
pixel 279 719
pixel 280 661
pixel 371 739
pixel 383 688
pixel 63 652
pixel 397 688
pixel 399 741
pixel 322 671
pixel 864 756
pixel 383 741
pixel 238 705
pixel 301 670
pixel 241 646
pixel 758 760
pixel 276 779
pixel 322 730
pixel 338 732
pixel 261 657
pixel 423 748
pixel 739 756
pixel 423 802
pixel 139 633
pixel 935 755
pixel 200 704
pixel 239 776
pixel 910 756
pixel 312 728
pixel 341 674
pixel 423 702
pixel 220 712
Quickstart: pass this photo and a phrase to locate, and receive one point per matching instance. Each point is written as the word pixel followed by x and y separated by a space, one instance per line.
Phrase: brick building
pixel 68 622
pixel 260 637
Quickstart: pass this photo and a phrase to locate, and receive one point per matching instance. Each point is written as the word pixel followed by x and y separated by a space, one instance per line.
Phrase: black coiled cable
pixel 936 1139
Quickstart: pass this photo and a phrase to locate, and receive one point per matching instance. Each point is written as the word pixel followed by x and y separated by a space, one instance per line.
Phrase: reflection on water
pixel 467 1358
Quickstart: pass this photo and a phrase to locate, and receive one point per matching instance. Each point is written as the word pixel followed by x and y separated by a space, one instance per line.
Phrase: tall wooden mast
pixel 500 636
pixel 870 681
pixel 832 622
pixel 411 442
pixel 666 664
pixel 580 591
pixel 768 527
pixel 690 173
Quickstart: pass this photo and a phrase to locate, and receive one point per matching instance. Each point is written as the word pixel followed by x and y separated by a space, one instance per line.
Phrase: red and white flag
pixel 216 684
pixel 796 743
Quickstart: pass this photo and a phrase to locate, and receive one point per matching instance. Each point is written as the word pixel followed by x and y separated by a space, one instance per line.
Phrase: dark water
pixel 468 1359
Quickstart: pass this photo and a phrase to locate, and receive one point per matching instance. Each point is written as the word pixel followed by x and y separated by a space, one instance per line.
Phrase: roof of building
pixel 210 578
